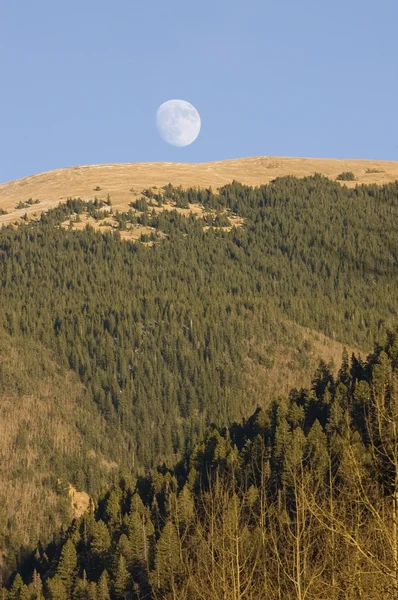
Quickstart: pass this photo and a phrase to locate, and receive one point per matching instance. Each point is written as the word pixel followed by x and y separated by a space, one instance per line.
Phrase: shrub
pixel 374 171
pixel 141 204
pixel 346 176
pixel 182 202
pixel 221 220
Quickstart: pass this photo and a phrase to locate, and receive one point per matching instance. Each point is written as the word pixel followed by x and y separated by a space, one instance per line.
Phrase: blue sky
pixel 81 80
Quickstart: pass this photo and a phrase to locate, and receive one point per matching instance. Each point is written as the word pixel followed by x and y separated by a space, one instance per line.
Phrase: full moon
pixel 178 122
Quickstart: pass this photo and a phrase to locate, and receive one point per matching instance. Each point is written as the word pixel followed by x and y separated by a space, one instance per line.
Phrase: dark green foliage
pixel 346 176
pixel 121 578
pixel 168 564
pixel 147 193
pixel 67 565
pixel 103 587
pixel 18 590
pixel 74 206
pixel 246 481
pixel 178 314
pixel 159 334
pixel 141 204
pixel 25 204
pixel 218 220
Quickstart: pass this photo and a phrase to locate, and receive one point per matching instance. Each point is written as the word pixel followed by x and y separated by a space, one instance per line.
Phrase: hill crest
pixel 125 181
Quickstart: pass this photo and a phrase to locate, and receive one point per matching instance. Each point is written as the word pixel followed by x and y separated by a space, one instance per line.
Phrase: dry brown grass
pixel 133 232
pixel 266 384
pixel 42 422
pixel 118 179
pixel 80 501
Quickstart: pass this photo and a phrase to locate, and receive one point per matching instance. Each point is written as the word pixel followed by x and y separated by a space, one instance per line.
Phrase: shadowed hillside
pixel 297 501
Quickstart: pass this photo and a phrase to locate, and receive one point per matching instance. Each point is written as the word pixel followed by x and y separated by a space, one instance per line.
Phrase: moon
pixel 178 122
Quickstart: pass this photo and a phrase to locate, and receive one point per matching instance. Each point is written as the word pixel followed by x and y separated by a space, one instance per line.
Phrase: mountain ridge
pixel 124 181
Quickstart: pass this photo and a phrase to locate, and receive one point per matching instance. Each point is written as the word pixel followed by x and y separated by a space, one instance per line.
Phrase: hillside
pixel 229 301
pixel 51 433
pixel 123 182
pixel 296 502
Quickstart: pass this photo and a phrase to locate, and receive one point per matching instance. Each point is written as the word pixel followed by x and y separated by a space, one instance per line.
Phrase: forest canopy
pixel 297 501
pixel 160 336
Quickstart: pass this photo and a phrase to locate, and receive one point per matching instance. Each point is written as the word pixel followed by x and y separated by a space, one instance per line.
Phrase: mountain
pixel 128 329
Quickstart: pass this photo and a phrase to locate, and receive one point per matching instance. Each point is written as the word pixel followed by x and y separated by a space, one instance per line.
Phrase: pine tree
pixel 185 507
pixel 103 586
pixel 124 548
pixel 140 531
pixel 121 577
pixel 18 589
pixel 344 374
pixel 67 565
pixel 56 589
pixel 101 539
pixel 112 508
pixel 80 590
pixel 168 566
pixel 36 587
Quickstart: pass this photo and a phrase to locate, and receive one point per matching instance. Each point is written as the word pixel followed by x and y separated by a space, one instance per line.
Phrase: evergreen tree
pixel 56 589
pixel 101 540
pixel 67 565
pixel 121 579
pixel 103 586
pixel 168 566
pixel 18 589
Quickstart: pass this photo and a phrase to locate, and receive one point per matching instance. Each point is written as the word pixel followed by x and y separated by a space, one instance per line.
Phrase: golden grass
pixel 265 384
pixel 118 179
pixel 133 232
pixel 80 501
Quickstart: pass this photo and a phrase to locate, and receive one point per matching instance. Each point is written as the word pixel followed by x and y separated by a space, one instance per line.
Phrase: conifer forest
pixel 176 380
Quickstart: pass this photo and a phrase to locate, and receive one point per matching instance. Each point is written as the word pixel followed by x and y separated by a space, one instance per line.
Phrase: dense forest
pixel 298 501
pixel 159 335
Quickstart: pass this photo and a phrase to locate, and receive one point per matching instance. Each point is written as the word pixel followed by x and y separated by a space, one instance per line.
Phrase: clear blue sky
pixel 81 80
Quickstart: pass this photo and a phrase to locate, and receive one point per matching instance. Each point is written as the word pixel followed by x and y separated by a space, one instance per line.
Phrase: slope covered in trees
pixel 298 501
pixel 47 423
pixel 162 336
